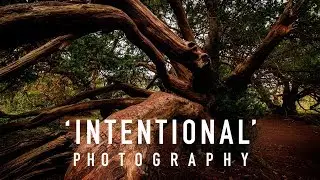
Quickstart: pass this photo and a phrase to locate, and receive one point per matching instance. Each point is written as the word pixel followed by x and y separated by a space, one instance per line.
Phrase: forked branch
pixel 282 27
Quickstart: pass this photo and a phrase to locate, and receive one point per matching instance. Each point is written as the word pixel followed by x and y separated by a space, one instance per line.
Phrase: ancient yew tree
pixel 188 73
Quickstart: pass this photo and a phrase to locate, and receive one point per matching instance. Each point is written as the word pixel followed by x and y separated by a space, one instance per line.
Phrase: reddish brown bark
pixel 101 17
pixel 17 149
pixel 183 23
pixel 158 105
pixel 212 42
pixel 186 53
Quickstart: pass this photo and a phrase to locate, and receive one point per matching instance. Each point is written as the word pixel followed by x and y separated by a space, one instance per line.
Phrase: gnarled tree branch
pixel 186 53
pixel 52 18
pixel 282 27
pixel 212 42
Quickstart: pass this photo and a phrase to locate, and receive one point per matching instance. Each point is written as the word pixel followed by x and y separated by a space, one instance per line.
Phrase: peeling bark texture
pixel 182 20
pixel 157 106
pixel 181 72
pixel 282 27
pixel 39 160
pixel 52 114
pixel 34 56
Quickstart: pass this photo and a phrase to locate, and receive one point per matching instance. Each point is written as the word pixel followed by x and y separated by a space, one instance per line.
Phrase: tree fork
pixel 242 73
pixel 101 17
pixel 184 52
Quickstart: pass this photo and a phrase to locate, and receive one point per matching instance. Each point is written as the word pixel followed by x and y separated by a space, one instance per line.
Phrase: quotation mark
pixel 68 123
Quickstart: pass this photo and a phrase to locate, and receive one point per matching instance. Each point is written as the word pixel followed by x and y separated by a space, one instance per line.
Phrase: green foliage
pixel 48 90
pixel 240 105
pixel 96 57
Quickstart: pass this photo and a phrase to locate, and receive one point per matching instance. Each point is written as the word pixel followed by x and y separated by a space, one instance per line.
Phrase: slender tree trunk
pixel 289 98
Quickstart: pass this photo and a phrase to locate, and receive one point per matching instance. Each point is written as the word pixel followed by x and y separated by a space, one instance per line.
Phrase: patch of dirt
pixel 291 148
pixel 283 149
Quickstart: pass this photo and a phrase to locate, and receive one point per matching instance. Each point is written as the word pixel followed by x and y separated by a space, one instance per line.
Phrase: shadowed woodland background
pixel 159 59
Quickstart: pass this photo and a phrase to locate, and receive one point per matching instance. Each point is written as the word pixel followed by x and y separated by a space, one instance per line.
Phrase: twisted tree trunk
pixel 190 86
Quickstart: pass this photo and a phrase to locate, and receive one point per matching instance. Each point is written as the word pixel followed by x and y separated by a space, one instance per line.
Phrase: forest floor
pixel 282 149
pixel 291 148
